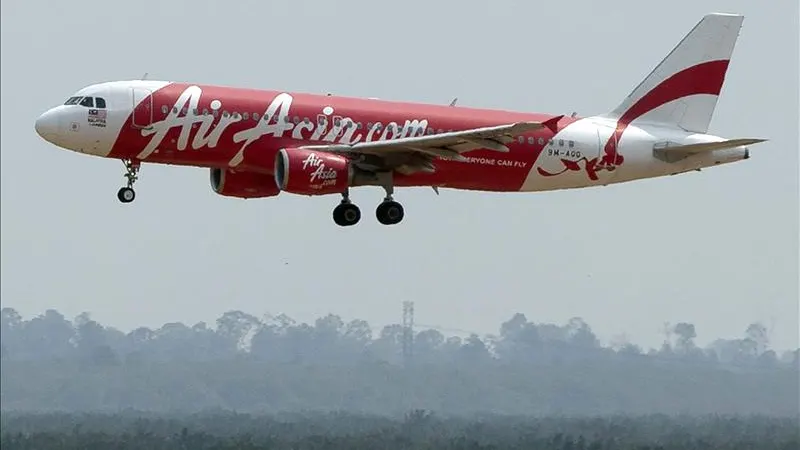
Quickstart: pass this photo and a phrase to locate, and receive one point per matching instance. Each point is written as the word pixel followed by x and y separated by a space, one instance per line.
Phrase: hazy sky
pixel 717 248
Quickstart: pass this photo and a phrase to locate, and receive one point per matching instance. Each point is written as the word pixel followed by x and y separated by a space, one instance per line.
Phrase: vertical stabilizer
pixel 682 91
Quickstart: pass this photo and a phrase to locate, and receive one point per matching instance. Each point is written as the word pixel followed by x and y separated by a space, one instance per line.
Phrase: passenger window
pixel 530 140
pixel 560 142
pixel 255 117
pixel 541 141
pixel 246 115
pixel 571 144
pixel 100 102
pixel 164 109
pixel 87 102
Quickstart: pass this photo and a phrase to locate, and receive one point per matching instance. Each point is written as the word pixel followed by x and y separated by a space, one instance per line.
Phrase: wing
pixel 411 154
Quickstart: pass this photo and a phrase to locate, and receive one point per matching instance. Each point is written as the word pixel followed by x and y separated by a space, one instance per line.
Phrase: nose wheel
pixel 126 194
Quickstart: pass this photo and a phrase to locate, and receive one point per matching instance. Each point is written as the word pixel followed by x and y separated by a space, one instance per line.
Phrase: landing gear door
pixel 142 116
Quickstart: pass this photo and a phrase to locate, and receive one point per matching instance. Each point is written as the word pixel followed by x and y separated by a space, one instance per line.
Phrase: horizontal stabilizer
pixel 710 146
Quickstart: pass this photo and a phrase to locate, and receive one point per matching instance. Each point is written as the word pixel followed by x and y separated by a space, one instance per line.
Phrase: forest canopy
pixel 275 364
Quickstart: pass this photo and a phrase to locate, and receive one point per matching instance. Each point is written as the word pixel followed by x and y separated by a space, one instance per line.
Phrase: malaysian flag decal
pixel 97 117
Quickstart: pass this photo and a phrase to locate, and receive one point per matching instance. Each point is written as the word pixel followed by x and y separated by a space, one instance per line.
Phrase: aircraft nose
pixel 47 125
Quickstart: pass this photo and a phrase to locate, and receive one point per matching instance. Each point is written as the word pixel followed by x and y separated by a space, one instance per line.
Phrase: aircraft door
pixel 142 116
pixel 607 140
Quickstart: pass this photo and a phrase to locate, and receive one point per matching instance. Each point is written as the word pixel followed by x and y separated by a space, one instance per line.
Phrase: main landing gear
pixel 389 212
pixel 346 213
pixel 126 194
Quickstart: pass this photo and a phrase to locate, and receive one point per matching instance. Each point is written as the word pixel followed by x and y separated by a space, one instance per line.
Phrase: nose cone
pixel 47 125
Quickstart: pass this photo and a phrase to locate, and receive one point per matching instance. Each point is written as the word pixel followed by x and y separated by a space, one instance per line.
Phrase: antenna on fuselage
pixel 144 77
pixel 453 103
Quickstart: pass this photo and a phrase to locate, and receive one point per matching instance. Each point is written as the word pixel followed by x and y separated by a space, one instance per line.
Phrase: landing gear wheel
pixel 389 212
pixel 126 194
pixel 346 214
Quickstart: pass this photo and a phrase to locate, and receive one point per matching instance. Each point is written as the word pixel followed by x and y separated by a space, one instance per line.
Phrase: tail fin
pixel 682 91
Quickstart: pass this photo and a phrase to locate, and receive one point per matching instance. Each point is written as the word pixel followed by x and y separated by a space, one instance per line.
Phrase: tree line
pixel 51 336
pixel 275 363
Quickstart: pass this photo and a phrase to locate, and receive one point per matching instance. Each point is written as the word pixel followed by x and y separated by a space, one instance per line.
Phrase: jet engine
pixel 243 184
pixel 311 172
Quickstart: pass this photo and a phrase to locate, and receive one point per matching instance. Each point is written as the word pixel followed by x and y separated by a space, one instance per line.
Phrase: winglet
pixel 552 123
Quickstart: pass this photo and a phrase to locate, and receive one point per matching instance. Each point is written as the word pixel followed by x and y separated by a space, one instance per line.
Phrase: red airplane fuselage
pixel 191 142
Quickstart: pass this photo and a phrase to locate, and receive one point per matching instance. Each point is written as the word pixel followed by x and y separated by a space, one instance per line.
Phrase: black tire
pixel 126 194
pixel 346 214
pixel 389 213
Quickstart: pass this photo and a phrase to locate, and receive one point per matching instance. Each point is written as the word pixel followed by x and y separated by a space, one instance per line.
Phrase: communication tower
pixel 408 332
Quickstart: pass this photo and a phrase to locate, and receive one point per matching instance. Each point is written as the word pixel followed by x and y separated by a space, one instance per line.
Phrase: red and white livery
pixel 257 143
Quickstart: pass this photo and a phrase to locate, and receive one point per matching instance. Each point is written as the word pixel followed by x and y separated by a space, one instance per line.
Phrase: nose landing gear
pixel 126 194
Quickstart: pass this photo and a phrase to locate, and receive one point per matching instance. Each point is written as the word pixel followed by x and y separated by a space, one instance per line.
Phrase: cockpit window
pixel 89 102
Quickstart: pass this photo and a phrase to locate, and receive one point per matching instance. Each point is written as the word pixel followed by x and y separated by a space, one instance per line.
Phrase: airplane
pixel 258 143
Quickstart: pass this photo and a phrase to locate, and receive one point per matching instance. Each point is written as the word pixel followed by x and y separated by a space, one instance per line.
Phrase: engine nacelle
pixel 243 184
pixel 310 172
